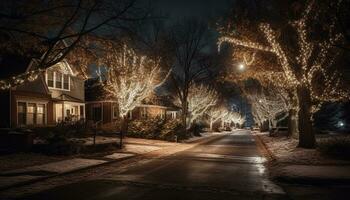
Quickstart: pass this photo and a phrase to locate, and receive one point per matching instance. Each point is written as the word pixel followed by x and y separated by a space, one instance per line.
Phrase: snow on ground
pixel 286 152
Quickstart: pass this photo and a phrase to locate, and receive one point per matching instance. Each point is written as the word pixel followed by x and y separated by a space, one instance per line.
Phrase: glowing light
pixel 312 65
pixel 130 78
pixel 241 67
pixel 200 99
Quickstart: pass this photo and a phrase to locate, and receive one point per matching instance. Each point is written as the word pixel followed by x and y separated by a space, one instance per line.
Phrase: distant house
pixel 56 95
pixel 100 107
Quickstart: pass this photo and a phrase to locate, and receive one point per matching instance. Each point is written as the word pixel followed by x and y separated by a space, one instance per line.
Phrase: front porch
pixel 69 111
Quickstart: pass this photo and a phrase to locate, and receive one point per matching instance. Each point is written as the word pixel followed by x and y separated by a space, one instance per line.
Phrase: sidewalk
pixel 132 148
pixel 302 166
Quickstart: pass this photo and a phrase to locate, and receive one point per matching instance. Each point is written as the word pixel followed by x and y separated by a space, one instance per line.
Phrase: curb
pixel 311 181
pixel 61 174
pixel 298 180
pixel 263 147
pixel 24 183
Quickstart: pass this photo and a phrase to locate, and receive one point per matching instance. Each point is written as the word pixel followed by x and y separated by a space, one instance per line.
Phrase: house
pixel 55 95
pixel 100 107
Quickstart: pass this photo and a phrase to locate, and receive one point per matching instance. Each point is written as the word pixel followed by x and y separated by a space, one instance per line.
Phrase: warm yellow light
pixel 241 67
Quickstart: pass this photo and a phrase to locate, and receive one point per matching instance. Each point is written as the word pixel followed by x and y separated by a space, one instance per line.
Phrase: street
pixel 230 167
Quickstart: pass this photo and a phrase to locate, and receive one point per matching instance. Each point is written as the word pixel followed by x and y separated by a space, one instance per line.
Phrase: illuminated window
pixel 21 113
pixel 58 80
pixel 50 78
pixel 66 82
pixel 30 113
pixel 40 116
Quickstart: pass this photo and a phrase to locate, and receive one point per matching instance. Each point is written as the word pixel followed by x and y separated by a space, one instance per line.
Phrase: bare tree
pixel 48 31
pixel 189 40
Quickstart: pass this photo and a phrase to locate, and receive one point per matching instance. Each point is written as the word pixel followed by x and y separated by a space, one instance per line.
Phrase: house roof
pixel 65 97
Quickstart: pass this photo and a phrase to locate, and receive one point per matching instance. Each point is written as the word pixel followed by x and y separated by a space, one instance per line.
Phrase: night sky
pixel 204 9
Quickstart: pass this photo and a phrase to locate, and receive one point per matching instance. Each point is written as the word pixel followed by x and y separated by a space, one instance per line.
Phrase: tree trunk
pixel 306 135
pixel 211 124
pixel 124 130
pixel 293 124
pixel 270 125
pixel 184 116
pixel 274 123
pixel 293 116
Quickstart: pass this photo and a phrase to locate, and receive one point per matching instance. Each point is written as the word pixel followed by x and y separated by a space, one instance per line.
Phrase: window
pixel 21 113
pixel 66 82
pixel 115 112
pixel 50 78
pixel 40 116
pixel 58 80
pixel 161 114
pixel 30 114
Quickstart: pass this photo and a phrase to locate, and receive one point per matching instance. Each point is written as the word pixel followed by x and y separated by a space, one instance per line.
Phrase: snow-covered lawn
pixel 286 152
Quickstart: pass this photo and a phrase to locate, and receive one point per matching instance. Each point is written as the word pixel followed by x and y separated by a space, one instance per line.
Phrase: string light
pixel 200 99
pixel 217 113
pixel 130 78
pixel 14 81
pixel 311 56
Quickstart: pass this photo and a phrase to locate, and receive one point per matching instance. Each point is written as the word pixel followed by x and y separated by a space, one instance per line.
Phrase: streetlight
pixel 241 67
pixel 341 124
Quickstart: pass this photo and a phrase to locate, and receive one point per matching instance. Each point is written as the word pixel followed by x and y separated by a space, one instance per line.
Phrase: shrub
pixel 157 129
pixel 146 128
pixel 338 147
pixel 173 129
pixel 196 129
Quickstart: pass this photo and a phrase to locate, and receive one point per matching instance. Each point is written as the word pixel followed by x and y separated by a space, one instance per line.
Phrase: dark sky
pixel 205 9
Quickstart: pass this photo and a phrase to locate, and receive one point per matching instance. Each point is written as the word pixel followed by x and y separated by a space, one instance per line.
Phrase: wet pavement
pixel 230 167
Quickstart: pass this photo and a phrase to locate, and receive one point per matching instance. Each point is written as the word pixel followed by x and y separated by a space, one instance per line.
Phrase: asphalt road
pixel 228 168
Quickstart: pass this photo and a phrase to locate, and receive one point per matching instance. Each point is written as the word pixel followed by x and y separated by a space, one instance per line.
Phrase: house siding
pixel 106 112
pixel 76 89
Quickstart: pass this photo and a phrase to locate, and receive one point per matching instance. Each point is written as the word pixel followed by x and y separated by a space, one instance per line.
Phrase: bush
pixel 57 140
pixel 338 147
pixel 157 129
pixel 172 130
pixel 196 129
pixel 146 128
pixel 63 129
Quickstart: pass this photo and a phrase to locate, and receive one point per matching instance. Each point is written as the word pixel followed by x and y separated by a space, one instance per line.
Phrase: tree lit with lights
pixel 307 67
